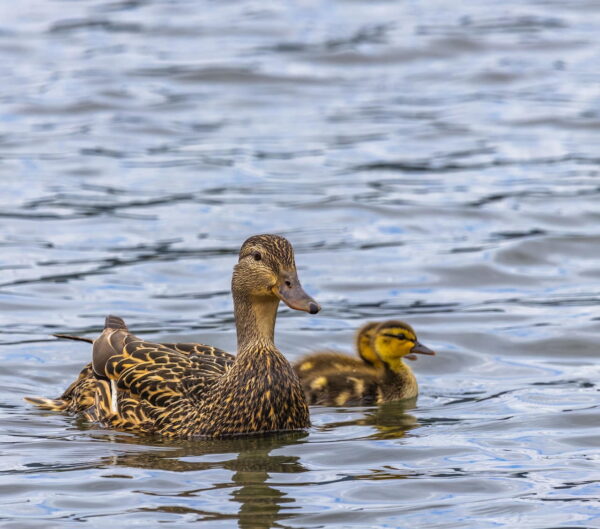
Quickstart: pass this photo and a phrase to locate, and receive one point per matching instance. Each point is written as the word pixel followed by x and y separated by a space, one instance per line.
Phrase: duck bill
pixel 421 349
pixel 290 291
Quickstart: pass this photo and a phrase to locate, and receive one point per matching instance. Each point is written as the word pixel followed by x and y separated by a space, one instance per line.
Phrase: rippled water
pixel 431 161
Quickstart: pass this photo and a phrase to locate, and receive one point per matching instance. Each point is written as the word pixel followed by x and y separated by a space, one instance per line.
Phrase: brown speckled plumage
pixel 192 390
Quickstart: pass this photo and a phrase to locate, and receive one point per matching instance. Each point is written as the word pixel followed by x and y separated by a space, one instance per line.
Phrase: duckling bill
pixel 333 381
pixel 193 390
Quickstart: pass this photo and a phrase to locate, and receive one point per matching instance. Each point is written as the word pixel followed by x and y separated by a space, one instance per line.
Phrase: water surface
pixel 430 161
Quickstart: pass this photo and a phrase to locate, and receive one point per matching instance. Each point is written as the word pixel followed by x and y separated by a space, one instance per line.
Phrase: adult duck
pixel 132 384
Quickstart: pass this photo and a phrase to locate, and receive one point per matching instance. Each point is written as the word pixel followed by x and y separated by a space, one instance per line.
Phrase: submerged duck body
pixel 192 390
pixel 345 383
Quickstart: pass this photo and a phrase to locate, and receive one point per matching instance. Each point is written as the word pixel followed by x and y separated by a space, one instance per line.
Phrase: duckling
pixel 351 386
pixel 182 390
pixel 321 361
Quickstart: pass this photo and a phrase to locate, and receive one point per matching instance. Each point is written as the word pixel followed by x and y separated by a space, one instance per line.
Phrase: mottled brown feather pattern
pixel 77 398
pixel 80 396
pixel 179 390
pixel 276 251
pixel 193 390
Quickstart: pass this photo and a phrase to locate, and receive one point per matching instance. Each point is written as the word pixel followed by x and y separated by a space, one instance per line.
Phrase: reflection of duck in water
pixel 154 388
pixel 333 379
pixel 390 420
pixel 260 504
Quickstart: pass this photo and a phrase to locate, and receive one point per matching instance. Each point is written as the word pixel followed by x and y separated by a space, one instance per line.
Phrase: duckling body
pixel 351 385
pixel 319 362
pixel 192 390
pixel 347 387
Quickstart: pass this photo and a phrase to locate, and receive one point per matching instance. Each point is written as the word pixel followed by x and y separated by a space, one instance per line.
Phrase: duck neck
pixel 399 381
pixel 397 366
pixel 255 321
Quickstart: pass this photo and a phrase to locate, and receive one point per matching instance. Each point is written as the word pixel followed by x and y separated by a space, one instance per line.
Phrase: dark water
pixel 431 161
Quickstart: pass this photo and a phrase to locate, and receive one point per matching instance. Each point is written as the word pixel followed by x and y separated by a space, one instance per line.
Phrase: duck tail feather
pixel 48 404
pixel 72 337
pixel 114 322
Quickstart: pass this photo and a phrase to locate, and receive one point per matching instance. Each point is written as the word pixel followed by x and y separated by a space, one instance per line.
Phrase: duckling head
pixel 364 344
pixel 394 340
pixel 266 269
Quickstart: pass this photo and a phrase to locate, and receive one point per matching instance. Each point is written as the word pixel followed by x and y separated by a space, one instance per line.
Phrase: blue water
pixel 434 161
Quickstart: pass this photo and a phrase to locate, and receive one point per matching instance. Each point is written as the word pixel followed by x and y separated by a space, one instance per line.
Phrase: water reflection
pixel 430 160
pixel 260 505
pixel 390 420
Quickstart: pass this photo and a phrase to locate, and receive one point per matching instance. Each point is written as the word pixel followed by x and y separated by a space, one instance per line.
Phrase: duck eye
pixel 257 256
pixel 397 336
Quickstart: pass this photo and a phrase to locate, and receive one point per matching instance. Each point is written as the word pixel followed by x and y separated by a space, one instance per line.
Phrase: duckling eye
pixel 397 336
pixel 257 256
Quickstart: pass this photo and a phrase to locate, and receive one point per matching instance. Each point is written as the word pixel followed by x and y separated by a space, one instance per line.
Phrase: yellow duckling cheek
pixel 368 354
pixel 390 349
